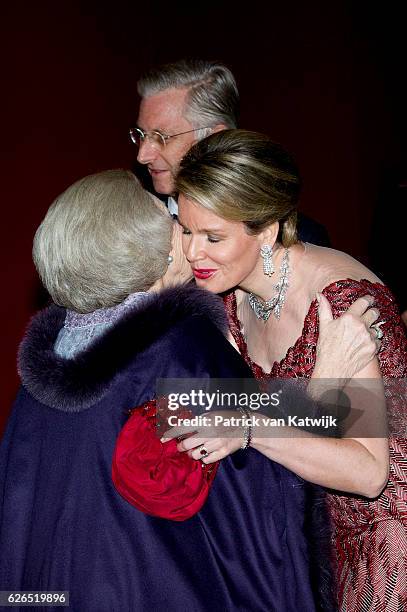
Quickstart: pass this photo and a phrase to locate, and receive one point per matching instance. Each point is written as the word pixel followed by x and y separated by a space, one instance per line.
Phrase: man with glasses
pixel 182 103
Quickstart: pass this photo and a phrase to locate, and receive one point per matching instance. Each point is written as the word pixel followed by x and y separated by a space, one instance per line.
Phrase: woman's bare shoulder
pixel 328 266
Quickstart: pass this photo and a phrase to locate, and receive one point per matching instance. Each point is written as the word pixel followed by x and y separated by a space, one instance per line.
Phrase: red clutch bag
pixel 154 476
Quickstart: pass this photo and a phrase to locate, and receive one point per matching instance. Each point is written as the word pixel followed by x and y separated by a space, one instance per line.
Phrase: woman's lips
pixel 203 273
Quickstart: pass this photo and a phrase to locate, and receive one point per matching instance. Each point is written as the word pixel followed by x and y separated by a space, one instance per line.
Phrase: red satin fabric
pixel 154 476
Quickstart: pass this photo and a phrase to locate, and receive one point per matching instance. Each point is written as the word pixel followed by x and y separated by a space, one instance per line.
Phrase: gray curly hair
pixel 102 239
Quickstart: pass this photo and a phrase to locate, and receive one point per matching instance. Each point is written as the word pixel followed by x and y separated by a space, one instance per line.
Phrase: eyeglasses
pixel 156 138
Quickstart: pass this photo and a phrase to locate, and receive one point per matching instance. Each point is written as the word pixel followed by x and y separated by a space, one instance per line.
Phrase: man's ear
pixel 220 127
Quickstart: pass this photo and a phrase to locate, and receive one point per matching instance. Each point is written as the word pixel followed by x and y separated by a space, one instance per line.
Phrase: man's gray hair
pixel 212 98
pixel 102 239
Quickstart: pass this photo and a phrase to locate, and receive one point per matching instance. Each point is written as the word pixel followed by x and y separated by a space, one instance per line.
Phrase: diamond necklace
pixel 263 309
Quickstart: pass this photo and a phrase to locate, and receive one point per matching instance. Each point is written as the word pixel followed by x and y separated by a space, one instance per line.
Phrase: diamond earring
pixel 266 252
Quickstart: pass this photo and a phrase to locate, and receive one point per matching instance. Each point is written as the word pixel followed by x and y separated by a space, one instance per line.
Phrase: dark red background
pixel 323 78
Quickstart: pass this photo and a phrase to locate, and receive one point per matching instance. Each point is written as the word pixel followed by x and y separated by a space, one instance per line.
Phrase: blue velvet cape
pixel 64 527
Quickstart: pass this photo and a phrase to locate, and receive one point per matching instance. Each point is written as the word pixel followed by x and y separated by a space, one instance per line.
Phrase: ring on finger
pixel 203 451
pixel 378 330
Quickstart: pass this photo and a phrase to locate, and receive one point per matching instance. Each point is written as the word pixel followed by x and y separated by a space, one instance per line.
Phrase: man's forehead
pixel 163 110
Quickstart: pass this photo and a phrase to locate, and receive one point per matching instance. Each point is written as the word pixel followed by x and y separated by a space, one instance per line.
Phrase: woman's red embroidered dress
pixel 369 537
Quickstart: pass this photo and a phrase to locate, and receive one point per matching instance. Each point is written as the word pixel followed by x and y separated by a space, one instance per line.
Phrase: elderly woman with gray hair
pixel 117 325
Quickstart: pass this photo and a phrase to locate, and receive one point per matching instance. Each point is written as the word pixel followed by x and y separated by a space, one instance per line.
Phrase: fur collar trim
pixel 75 384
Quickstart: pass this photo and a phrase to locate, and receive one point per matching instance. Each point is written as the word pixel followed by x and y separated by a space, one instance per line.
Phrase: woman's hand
pixel 179 271
pixel 346 344
pixel 210 442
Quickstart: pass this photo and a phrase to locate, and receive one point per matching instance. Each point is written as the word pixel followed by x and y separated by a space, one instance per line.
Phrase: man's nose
pixel 146 152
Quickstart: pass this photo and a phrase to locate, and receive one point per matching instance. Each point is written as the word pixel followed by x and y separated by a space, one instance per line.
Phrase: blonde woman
pixel 238 194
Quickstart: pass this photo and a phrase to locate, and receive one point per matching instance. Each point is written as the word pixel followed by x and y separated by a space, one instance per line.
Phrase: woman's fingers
pixel 191 443
pixel 370 316
pixel 324 310
pixel 210 442
pixel 360 306
pixel 203 450
pixel 215 449
pixel 348 343
pixel 178 432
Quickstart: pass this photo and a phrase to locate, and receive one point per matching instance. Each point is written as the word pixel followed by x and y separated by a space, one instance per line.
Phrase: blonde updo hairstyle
pixel 243 176
pixel 102 239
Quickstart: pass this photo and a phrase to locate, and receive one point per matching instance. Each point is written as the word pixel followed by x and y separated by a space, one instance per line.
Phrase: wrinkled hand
pixel 219 440
pixel 346 344
pixel 179 270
